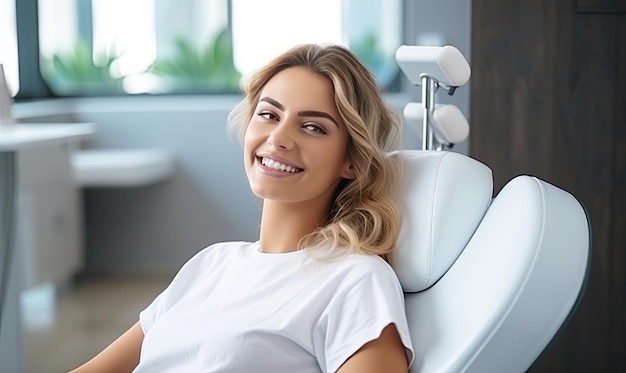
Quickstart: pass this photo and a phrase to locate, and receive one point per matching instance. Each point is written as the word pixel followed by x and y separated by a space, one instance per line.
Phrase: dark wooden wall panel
pixel 584 120
pixel 508 73
pixel 601 6
pixel 546 99
pixel 618 247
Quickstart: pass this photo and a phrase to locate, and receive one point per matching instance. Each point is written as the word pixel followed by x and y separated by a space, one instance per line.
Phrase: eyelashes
pixel 268 115
pixel 315 128
pixel 309 126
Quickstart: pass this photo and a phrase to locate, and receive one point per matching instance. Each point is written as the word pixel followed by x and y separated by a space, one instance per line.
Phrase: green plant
pixel 208 68
pixel 368 49
pixel 382 64
pixel 79 70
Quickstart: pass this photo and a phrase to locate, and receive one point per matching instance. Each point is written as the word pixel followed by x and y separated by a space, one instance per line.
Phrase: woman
pixel 313 293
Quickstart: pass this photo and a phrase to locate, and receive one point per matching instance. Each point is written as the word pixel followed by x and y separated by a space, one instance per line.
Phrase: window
pixel 101 47
pixel 371 28
pixel 107 47
pixel 263 29
pixel 8 46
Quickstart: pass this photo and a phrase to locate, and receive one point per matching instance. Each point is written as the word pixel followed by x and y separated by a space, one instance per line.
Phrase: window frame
pixel 34 87
pixel 32 84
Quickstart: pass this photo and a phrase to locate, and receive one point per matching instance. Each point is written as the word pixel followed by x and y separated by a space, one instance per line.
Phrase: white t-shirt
pixel 232 308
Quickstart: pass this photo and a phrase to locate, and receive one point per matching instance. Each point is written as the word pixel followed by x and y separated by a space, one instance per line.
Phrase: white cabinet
pixel 36 160
pixel 49 214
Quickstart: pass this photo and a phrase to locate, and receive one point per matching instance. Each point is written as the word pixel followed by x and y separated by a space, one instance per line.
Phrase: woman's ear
pixel 348 172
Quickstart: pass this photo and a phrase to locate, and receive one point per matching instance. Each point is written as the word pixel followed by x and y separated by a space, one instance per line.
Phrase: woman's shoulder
pixel 211 259
pixel 219 252
pixel 226 247
pixel 357 266
pixel 347 257
pixel 372 265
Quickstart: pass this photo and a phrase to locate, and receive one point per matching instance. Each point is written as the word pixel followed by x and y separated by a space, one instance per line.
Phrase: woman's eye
pixel 314 128
pixel 267 115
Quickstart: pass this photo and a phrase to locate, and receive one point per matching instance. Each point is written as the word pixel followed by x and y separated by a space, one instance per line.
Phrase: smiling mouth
pixel 278 166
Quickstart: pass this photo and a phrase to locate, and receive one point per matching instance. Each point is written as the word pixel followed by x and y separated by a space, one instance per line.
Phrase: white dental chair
pixel 488 281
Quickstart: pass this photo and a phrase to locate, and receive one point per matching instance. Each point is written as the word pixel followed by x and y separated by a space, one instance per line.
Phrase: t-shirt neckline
pixel 256 253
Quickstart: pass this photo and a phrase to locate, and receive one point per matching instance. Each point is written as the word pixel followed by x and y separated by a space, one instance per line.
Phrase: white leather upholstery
pixel 443 198
pixel 513 285
pixel 446 64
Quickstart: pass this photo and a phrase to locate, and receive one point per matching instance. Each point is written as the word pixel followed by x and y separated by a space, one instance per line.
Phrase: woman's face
pixel 295 143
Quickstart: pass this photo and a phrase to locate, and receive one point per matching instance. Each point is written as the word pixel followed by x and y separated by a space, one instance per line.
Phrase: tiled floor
pixel 63 331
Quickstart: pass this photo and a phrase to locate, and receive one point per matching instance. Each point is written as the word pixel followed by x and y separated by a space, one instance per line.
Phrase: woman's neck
pixel 284 224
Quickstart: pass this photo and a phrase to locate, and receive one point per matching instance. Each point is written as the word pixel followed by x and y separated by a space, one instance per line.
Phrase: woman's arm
pixel 386 354
pixel 120 356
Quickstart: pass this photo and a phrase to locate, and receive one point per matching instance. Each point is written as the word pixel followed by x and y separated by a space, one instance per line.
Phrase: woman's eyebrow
pixel 304 113
pixel 272 102
pixel 314 113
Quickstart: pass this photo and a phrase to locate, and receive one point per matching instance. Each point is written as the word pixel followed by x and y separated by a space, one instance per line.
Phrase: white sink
pixel 17 136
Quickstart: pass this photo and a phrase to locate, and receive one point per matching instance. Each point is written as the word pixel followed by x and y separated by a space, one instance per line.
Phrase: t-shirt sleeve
pixel 358 314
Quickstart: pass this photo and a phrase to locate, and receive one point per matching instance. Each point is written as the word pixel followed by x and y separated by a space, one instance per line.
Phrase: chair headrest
pixel 443 197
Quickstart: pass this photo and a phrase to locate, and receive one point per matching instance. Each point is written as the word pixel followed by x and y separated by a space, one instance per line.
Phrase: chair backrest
pixel 488 281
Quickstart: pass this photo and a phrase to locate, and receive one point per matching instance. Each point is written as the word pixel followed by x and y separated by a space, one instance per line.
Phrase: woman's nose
pixel 282 136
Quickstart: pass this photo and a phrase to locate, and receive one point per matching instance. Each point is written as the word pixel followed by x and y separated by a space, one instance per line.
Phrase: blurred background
pixel 157 78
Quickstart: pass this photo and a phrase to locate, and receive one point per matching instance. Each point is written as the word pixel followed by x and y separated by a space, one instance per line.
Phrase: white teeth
pixel 279 166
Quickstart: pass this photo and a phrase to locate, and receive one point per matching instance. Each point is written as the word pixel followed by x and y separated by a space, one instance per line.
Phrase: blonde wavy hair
pixel 364 217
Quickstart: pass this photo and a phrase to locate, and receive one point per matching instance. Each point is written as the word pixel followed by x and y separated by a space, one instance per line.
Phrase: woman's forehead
pixel 300 85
